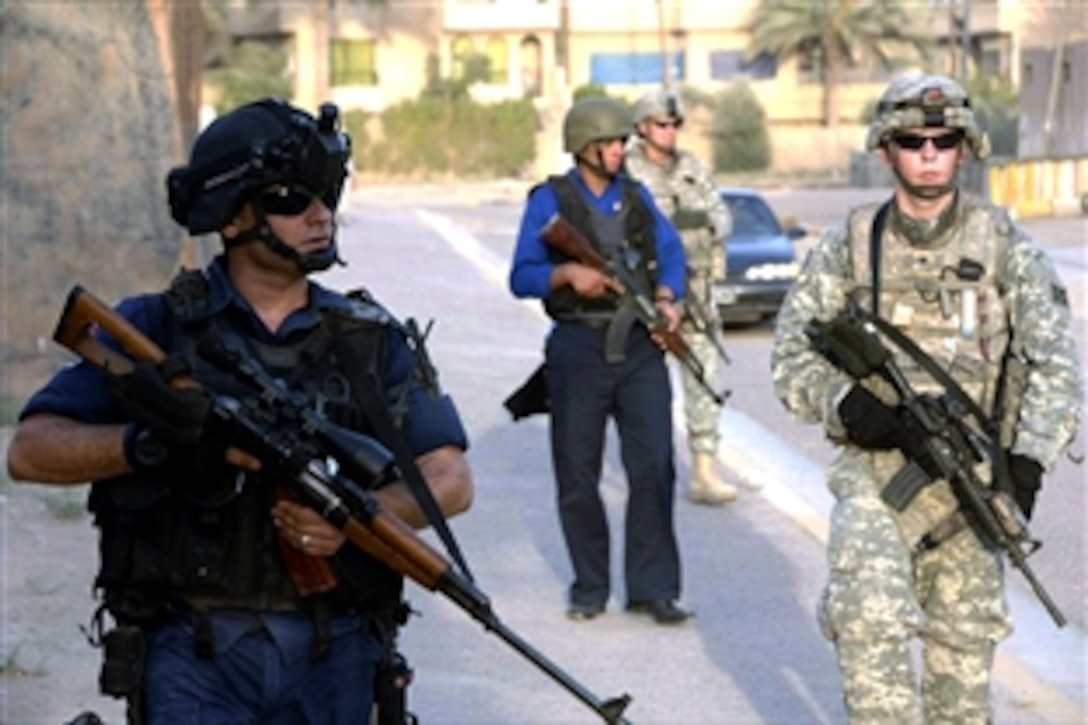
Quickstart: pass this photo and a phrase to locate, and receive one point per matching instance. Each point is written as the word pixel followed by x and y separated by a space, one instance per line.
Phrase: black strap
pixel 920 356
pixel 875 234
pixel 365 387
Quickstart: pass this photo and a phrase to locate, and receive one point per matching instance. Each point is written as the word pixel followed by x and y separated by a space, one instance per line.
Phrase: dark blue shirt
pixel 532 267
pixel 79 391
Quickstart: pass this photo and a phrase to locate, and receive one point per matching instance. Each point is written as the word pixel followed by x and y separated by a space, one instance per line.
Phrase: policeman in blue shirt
pixel 600 363
pixel 210 626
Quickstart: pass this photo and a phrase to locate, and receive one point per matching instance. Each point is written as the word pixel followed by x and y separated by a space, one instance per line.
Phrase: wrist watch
pixel 144 449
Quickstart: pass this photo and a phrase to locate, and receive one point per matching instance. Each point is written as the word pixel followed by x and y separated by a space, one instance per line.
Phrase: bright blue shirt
pixel 531 271
pixel 79 391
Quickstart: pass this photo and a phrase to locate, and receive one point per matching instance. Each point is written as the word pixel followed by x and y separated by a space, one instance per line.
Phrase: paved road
pixel 752 570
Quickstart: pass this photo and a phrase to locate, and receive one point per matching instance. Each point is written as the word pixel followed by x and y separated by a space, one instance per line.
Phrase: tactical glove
pixel 1027 479
pixel 869 422
pixel 176 416
pixel 874 425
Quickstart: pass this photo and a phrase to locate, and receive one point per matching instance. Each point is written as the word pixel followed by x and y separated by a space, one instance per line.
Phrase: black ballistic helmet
pixel 243 152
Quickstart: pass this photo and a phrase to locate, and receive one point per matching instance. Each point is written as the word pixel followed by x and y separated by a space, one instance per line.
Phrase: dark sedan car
pixel 761 260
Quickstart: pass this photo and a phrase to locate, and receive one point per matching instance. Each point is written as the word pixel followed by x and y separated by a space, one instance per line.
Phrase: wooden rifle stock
pixel 563 236
pixel 83 312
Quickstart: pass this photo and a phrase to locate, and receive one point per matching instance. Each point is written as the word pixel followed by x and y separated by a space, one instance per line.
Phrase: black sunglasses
pixel 293 200
pixel 914 141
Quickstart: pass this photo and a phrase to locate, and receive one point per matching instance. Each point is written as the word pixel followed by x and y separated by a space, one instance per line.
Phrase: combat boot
pixel 707 487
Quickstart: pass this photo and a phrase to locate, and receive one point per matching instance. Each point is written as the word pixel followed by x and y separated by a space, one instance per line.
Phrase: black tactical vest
pixel 631 227
pixel 209 542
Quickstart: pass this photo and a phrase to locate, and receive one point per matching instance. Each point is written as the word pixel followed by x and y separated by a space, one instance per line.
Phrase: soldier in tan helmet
pixel 978 297
pixel 686 192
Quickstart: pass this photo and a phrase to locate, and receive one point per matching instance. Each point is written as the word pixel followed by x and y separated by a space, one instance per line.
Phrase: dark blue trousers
pixel 586 391
pixel 264 677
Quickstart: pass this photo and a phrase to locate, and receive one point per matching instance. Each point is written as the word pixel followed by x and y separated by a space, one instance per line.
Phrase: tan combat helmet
pixel 595 119
pixel 926 100
pixel 660 104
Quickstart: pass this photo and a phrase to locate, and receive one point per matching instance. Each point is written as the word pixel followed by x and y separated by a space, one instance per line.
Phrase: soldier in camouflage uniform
pixel 685 191
pixel 969 287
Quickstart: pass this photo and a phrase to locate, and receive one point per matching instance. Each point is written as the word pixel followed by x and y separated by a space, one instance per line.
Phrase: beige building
pixel 544 49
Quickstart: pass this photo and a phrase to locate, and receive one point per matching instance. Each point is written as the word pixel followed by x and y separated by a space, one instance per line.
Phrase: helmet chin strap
pixel 313 262
pixel 597 166
pixel 928 192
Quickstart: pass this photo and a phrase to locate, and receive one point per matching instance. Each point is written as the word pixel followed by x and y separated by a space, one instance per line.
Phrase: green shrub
pixel 447 133
pixel 739 131
pixel 589 90
pixel 251 70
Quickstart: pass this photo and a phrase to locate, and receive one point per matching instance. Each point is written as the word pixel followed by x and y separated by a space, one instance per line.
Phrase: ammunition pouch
pixel 124 651
pixel 393 678
pixel 684 219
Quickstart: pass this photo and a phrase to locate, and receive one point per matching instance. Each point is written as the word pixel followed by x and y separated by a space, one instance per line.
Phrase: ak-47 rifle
pixel 295 439
pixel 564 237
pixel 953 445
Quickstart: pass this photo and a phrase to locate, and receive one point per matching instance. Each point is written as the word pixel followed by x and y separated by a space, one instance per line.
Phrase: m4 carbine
pixel 954 446
pixel 283 432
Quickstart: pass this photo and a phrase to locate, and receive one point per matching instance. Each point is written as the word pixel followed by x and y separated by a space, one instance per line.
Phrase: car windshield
pixel 752 217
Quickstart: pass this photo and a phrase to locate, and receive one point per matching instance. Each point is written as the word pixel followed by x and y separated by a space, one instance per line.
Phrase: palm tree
pixel 840 34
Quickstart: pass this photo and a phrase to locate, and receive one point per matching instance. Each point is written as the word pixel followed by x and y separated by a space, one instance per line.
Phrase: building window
pixel 353 63
pixel 729 64
pixel 614 68
pixel 461 51
pixel 497 60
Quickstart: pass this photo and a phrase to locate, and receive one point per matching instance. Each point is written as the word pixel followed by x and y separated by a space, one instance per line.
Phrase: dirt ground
pixel 49 670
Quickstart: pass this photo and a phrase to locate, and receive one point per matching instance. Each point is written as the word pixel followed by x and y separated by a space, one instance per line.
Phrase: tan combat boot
pixel 707 486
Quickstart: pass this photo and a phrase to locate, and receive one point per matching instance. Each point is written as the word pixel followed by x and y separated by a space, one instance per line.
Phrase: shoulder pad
pixel 365 308
pixel 188 295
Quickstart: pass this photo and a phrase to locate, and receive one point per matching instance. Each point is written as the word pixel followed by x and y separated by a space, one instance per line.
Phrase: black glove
pixel 870 422
pixel 176 416
pixel 1027 479
pixel 874 425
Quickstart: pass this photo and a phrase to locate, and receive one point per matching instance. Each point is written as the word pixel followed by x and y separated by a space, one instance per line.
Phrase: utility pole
pixel 1056 71
pixel 965 41
pixel 666 74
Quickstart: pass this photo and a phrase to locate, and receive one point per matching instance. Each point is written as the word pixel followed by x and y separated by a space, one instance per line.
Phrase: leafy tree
pixel 251 70
pixel 997 110
pixel 838 35
pixel 739 130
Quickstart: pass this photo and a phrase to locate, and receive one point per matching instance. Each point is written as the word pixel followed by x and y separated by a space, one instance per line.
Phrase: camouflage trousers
pixel 881 596
pixel 701 412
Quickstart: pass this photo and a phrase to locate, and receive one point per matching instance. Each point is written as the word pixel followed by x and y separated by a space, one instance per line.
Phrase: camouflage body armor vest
pixel 946 296
pixel 208 541
pixel 632 225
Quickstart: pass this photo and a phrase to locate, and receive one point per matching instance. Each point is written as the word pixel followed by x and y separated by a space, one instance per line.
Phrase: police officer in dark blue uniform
pixel 210 627
pixel 590 380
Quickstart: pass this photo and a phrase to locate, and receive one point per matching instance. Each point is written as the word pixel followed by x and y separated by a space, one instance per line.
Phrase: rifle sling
pixel 999 455
pixel 363 385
